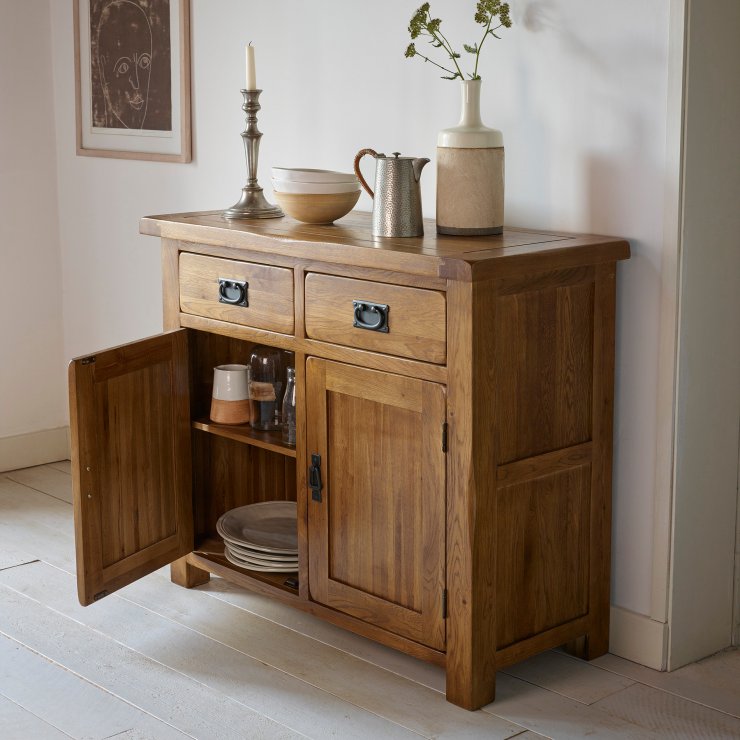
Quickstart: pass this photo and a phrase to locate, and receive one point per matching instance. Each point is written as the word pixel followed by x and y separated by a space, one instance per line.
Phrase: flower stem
pixel 485 35
pixel 477 53
pixel 447 46
pixel 427 59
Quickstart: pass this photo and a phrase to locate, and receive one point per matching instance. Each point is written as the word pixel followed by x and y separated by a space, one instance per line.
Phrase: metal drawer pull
pixel 314 478
pixel 233 292
pixel 372 316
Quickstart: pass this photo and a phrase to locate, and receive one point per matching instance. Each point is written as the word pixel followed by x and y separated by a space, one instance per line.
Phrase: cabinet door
pixel 131 466
pixel 377 534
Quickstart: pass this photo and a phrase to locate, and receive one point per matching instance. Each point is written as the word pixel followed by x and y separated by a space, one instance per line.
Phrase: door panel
pixel 130 421
pixel 376 539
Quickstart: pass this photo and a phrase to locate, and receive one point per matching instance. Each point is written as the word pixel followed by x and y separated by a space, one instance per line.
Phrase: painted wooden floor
pixel 158 661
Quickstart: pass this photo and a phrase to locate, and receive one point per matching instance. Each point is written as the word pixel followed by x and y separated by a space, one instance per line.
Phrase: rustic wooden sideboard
pixel 462 434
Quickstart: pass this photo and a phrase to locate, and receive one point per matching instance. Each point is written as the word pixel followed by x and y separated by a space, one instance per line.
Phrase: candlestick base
pixel 253 204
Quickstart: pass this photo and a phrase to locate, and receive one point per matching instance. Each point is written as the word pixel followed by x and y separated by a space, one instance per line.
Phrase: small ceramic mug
pixel 230 402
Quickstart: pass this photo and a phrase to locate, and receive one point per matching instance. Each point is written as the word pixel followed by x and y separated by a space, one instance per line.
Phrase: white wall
pixel 578 87
pixel 33 405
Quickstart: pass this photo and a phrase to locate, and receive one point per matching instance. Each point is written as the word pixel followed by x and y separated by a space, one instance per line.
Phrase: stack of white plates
pixel 261 537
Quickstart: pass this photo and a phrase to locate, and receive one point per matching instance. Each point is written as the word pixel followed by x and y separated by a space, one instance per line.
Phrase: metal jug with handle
pixel 397 196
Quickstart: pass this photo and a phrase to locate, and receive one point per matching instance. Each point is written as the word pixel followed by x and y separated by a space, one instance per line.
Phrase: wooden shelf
pixel 210 552
pixel 243 433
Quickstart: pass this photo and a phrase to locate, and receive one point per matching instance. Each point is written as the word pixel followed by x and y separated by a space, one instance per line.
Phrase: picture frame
pixel 132 79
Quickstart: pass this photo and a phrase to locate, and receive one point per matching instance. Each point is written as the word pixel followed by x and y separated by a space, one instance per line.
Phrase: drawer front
pixel 393 319
pixel 239 292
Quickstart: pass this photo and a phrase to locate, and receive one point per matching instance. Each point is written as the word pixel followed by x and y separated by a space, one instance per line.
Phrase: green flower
pixel 491 14
pixel 418 21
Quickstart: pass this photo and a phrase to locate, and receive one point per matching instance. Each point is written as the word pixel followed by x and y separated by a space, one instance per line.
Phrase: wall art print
pixel 133 79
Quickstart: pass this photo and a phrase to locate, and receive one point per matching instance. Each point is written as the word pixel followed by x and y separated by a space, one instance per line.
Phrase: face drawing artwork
pixel 124 60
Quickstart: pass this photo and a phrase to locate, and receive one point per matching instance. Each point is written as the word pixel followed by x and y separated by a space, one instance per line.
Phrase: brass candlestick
pixel 252 203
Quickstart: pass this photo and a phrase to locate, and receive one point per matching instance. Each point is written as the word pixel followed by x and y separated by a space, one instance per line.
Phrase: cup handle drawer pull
pixel 233 292
pixel 371 316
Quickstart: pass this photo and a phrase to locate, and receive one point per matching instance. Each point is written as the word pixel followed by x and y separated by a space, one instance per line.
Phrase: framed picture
pixel 132 79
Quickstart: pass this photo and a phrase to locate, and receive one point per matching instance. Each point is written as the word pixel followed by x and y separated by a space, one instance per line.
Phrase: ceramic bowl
pixel 320 188
pixel 293 174
pixel 317 208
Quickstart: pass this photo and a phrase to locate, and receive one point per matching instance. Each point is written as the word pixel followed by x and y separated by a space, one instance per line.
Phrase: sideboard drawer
pixel 239 292
pixel 393 319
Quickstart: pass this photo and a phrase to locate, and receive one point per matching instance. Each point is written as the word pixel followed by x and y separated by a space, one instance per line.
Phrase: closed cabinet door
pixel 376 508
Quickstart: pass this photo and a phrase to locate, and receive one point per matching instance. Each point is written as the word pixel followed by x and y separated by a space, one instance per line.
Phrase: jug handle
pixel 359 156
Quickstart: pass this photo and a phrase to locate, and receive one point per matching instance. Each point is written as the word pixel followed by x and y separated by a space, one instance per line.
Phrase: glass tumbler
pixel 265 387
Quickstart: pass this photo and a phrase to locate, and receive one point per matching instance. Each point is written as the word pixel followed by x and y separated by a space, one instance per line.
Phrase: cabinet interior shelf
pixel 242 433
pixel 212 550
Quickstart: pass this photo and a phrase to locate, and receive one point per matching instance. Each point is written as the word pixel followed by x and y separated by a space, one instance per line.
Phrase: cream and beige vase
pixel 470 172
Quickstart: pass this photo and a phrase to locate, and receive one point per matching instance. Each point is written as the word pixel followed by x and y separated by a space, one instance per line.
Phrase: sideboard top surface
pixel 349 241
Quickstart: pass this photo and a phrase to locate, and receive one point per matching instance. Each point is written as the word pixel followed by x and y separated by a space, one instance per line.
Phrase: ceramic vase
pixel 470 172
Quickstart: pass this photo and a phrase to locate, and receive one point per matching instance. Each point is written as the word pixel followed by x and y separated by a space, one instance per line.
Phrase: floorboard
pixel 36 524
pixel 314 628
pixel 216 665
pixel 669 714
pixel 17 723
pixel 158 661
pixel 205 639
pixel 64 465
pixel 176 699
pixel 570 677
pixel 48 480
pixel 45 689
pixel 11 556
pixel 713 682
pixel 555 716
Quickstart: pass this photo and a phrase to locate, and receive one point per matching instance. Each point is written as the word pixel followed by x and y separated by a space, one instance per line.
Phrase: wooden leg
pixel 597 642
pixel 590 646
pixel 186 575
pixel 469 691
pixel 577 647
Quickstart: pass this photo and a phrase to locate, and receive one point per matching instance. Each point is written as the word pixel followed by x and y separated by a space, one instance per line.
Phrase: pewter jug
pixel 397 196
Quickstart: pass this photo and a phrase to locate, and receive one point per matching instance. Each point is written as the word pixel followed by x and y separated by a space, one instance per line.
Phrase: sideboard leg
pixel 471 691
pixel 577 647
pixel 597 643
pixel 186 575
pixel 590 646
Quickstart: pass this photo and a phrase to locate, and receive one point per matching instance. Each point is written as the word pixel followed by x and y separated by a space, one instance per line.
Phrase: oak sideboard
pixel 452 470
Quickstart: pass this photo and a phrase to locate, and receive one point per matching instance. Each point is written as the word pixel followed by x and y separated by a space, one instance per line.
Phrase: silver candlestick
pixel 252 203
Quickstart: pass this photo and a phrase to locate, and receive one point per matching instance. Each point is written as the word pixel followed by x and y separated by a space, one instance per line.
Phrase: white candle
pixel 251 71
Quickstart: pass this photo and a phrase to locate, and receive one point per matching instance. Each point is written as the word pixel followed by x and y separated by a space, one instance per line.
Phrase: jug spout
pixel 418 165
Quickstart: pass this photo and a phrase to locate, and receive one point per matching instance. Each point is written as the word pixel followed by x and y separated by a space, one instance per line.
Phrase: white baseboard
pixel 34 448
pixel 638 638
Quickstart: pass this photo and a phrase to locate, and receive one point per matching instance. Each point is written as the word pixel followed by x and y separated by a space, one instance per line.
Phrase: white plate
pixel 260 563
pixel 270 526
pixel 259 568
pixel 257 550
pixel 297 174
pixel 314 188
pixel 248 552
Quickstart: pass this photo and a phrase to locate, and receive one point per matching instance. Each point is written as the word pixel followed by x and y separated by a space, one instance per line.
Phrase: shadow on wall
pixel 601 114
pixel 542 15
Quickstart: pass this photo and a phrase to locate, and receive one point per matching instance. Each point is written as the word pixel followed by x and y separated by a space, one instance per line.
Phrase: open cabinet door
pixel 131 461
